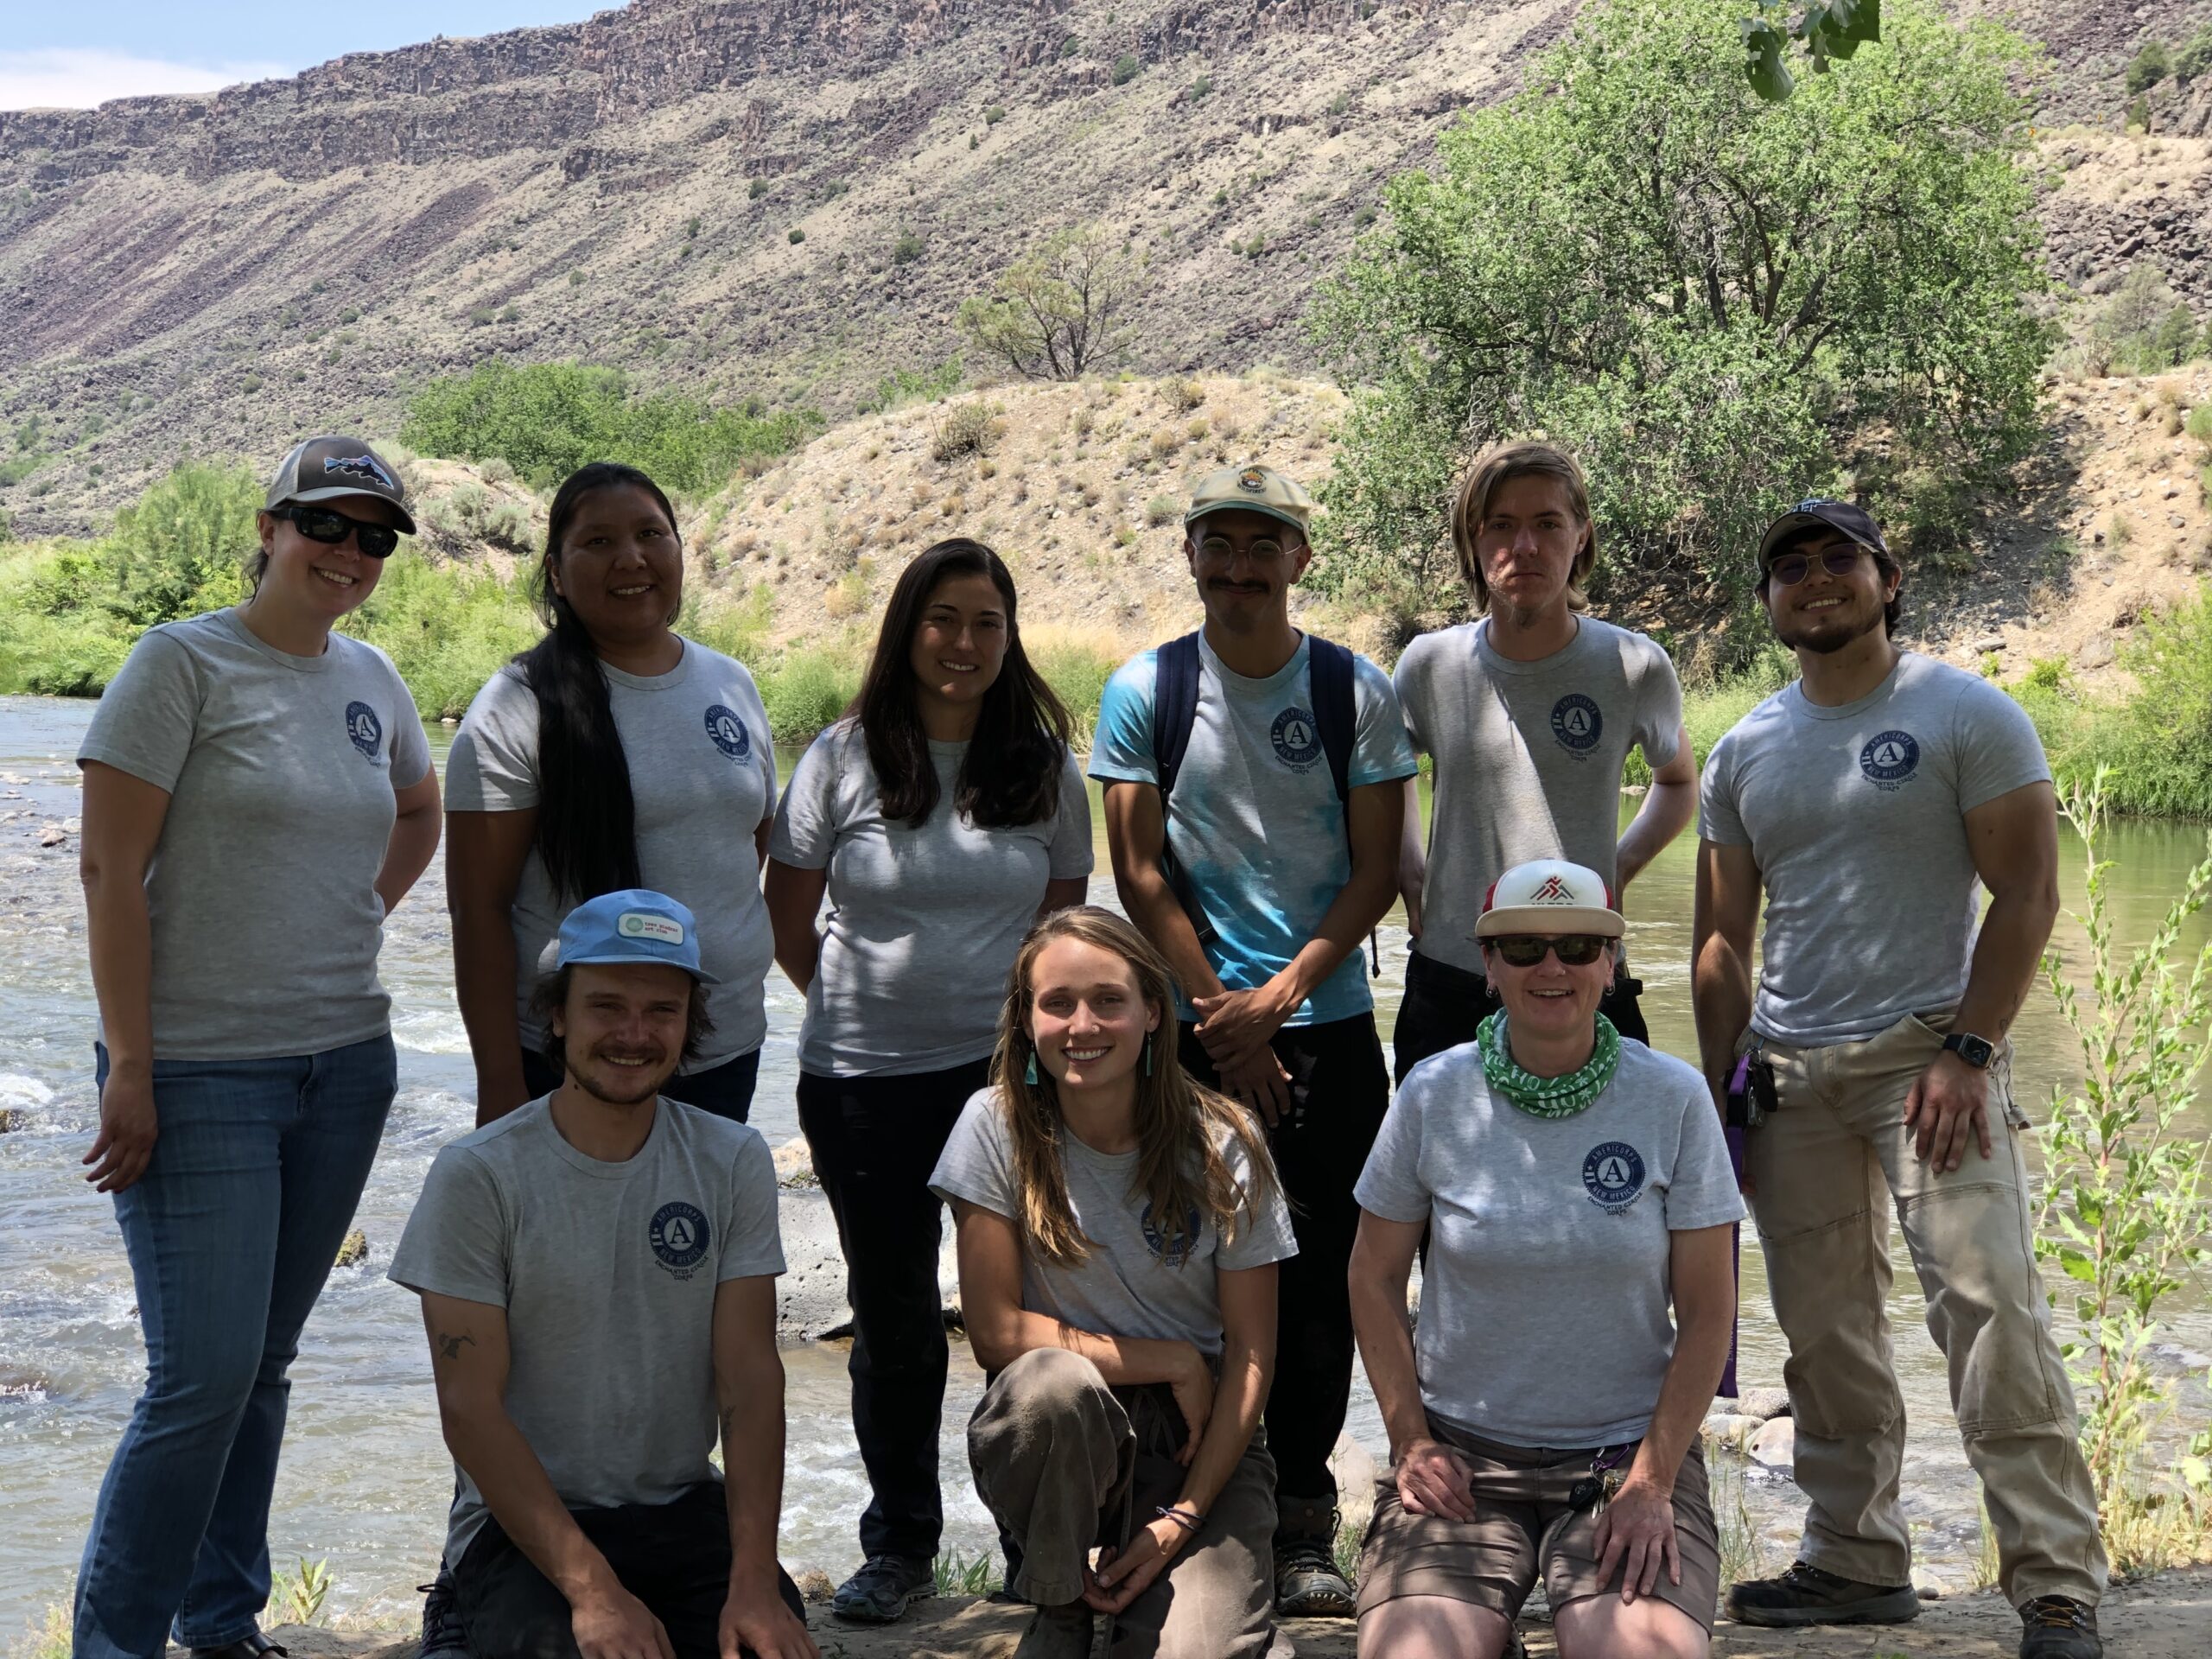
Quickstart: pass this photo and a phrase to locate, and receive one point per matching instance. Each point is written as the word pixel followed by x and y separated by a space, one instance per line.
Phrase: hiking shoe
pixel 2059 1627
pixel 1307 1583
pixel 881 1591
pixel 441 1628
pixel 1062 1632
pixel 1806 1595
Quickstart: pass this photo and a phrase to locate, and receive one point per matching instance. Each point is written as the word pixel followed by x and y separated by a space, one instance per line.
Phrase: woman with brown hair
pixel 941 816
pixel 1120 1229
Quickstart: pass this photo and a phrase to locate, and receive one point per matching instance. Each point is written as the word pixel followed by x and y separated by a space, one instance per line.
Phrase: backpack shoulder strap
pixel 1336 710
pixel 1174 707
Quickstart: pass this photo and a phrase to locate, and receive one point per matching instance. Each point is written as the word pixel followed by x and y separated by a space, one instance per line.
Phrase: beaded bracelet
pixel 1182 1518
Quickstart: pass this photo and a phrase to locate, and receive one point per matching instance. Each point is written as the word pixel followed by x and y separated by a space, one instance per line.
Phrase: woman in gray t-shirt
pixel 940 818
pixel 614 754
pixel 257 797
pixel 1120 1229
pixel 1575 1188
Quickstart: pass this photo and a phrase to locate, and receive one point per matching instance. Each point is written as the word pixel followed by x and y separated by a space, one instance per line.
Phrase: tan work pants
pixel 1825 1169
pixel 1062 1463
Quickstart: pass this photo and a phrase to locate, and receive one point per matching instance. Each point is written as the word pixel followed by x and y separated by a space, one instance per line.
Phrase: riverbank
pixel 2167 1616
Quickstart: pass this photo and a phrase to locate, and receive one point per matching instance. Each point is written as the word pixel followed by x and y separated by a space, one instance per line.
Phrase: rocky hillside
pixel 782 199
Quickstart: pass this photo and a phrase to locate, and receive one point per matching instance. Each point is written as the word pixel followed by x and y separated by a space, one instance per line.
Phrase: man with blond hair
pixel 1528 713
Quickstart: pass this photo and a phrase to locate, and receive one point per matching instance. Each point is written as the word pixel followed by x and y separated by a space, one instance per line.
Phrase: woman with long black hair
pixel 614 754
pixel 941 816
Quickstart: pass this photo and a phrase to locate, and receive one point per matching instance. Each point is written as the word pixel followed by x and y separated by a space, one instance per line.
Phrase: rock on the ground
pixel 355 1250
pixel 1928 1587
pixel 1764 1403
pixel 813 1586
pixel 1732 1430
pixel 795 1163
pixel 13 1118
pixel 810 1296
pixel 1774 1447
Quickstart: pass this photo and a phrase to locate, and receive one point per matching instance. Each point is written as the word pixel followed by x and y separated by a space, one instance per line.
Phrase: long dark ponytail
pixel 587 817
pixel 1011 774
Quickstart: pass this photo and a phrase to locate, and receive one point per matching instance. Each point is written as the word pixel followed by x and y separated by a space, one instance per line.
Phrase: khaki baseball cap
pixel 325 469
pixel 1250 489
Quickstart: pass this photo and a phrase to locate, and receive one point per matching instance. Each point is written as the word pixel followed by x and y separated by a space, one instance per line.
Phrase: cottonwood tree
pixel 1061 310
pixel 1711 298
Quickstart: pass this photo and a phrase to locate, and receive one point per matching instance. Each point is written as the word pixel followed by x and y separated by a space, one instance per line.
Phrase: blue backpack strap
pixel 1174 707
pixel 1335 712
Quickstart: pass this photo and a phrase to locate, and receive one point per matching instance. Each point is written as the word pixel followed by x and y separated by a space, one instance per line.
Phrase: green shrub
pixel 1125 69
pixel 756 189
pixel 994 115
pixel 906 249
pixel 2199 424
pixel 2196 57
pixel 447 628
pixel 2152 64
pixel 480 317
pixel 1201 89
pixel 1069 46
pixel 903 386
pixel 797 236
pixel 1078 672
pixel 807 690
pixel 1161 509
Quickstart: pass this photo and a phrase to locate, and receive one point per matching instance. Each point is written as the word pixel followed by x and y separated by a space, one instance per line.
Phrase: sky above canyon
pixel 75 56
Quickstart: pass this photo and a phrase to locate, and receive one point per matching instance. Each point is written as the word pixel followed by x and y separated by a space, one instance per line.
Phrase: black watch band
pixel 1976 1052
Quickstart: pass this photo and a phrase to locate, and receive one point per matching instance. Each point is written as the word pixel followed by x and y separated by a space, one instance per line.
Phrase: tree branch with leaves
pixel 1060 311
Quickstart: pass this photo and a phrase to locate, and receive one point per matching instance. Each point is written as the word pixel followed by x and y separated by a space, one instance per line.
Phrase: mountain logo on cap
pixel 642 925
pixel 1252 479
pixel 1554 892
pixel 361 467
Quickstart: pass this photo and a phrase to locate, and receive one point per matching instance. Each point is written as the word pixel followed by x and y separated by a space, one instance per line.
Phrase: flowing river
pixel 365 1480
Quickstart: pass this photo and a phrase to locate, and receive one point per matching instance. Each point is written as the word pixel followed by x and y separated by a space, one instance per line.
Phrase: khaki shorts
pixel 1523 1523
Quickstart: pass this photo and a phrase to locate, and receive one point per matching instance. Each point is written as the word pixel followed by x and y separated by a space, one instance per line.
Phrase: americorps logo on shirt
pixel 1297 739
pixel 1613 1175
pixel 1171 1252
pixel 1576 722
pixel 728 732
pixel 363 728
pixel 1889 758
pixel 679 1236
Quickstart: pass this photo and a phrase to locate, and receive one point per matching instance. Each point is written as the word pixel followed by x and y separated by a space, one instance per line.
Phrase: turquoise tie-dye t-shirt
pixel 1255 821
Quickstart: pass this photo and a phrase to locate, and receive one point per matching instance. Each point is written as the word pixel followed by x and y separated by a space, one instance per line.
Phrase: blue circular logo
pixel 363 728
pixel 1297 739
pixel 679 1235
pixel 1172 1252
pixel 1613 1173
pixel 728 732
pixel 1889 757
pixel 1576 722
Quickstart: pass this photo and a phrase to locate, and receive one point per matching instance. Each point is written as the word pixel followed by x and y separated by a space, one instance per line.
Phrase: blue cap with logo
pixel 636 925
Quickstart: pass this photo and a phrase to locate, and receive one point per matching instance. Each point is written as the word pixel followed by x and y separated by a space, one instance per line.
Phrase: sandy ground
pixel 2166 1617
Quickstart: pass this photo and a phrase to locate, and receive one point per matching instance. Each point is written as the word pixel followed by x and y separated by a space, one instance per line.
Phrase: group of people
pixel 1187 1200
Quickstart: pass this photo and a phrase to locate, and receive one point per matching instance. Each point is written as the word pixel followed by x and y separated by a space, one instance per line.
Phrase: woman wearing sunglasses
pixel 257 797
pixel 1574 1184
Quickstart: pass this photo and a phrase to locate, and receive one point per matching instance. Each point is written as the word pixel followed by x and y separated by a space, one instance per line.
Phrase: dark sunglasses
pixel 322 524
pixel 1793 567
pixel 1527 950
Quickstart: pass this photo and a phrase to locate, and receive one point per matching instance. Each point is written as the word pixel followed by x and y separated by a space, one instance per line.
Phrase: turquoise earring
pixel 1029 1074
pixel 1147 1054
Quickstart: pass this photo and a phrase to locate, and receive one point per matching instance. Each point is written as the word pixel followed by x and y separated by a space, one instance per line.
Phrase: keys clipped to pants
pixel 1601 1485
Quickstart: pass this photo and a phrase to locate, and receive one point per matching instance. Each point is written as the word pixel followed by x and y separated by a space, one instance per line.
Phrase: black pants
pixel 1443 1005
pixel 674 1557
pixel 1339 1091
pixel 725 1089
pixel 874 1142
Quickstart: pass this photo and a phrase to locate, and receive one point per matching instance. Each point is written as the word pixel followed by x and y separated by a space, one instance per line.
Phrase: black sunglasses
pixel 1527 950
pixel 1793 567
pixel 323 524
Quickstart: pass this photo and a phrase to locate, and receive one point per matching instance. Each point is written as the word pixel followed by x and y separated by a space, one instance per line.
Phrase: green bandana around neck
pixel 1546 1097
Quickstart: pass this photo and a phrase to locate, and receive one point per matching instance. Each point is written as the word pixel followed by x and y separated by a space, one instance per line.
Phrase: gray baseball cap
pixel 325 469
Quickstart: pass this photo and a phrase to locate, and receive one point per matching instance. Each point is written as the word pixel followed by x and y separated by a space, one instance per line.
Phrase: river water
pixel 365 1480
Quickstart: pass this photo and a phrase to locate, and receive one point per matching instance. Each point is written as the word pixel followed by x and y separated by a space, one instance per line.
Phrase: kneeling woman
pixel 1119 1230
pixel 1573 1184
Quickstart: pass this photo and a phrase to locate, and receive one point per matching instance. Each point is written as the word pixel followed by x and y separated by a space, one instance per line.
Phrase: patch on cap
pixel 1252 479
pixel 643 924
pixel 1552 890
pixel 364 467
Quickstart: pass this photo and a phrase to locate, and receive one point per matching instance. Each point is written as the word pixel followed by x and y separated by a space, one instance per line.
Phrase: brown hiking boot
pixel 1806 1595
pixel 2059 1627
pixel 1307 1582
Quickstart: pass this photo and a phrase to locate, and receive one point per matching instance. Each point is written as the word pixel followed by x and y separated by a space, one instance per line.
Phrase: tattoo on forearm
pixel 449 1347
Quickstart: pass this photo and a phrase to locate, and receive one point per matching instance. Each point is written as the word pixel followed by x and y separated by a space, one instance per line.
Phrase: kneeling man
pixel 597 1275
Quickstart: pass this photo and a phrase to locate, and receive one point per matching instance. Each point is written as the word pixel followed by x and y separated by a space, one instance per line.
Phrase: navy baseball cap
pixel 1819 513
pixel 636 925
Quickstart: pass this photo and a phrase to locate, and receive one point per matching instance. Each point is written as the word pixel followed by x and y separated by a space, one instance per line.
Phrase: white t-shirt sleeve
pixel 1390 1186
pixel 1381 751
pixel 974 1166
pixel 1718 819
pixel 1703 1191
pixel 144 722
pixel 1071 854
pixel 1263 1229
pixel 806 817
pixel 753 1242
pixel 1658 707
pixel 492 766
pixel 411 746
pixel 1995 745
pixel 456 1240
pixel 1410 681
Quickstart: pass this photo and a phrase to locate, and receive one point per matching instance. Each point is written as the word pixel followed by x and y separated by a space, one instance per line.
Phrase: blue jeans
pixel 231 1232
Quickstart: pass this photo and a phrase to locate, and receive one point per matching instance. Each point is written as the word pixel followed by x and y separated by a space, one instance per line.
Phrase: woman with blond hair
pixel 1120 1229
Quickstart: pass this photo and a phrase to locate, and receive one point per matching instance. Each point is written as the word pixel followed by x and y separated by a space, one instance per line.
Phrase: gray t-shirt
pixel 1548 1254
pixel 703 775
pixel 1255 821
pixel 924 924
pixel 607 1275
pixel 1529 759
pixel 1856 817
pixel 261 888
pixel 1140 1280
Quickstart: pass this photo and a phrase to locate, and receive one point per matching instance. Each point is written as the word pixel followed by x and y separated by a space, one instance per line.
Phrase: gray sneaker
pixel 1807 1595
pixel 883 1589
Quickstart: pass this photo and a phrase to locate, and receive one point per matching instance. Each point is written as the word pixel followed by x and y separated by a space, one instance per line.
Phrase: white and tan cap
pixel 1549 895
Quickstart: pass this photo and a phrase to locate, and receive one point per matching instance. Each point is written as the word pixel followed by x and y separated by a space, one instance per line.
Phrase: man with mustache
pixel 1254 794
pixel 1870 802
pixel 597 1275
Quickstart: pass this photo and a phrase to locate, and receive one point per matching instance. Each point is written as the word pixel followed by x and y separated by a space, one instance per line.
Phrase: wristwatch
pixel 1976 1052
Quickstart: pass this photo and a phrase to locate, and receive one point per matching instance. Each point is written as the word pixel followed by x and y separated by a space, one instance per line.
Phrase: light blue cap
pixel 636 925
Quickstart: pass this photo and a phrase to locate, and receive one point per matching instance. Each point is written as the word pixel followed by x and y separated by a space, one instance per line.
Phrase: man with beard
pixel 597 1275
pixel 1870 801
pixel 1254 793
